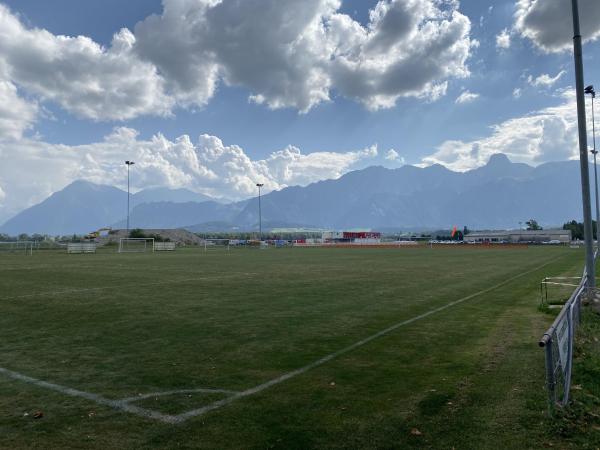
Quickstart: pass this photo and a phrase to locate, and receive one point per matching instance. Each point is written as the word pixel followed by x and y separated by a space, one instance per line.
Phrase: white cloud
pixel 549 25
pixel 466 97
pixel 392 155
pixel 517 92
pixel 286 53
pixel 79 74
pixel 16 114
pixel 546 135
pixel 545 80
pixel 409 48
pixel 503 40
pixel 208 166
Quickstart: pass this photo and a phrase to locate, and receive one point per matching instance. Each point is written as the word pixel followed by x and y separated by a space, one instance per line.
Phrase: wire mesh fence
pixel 558 342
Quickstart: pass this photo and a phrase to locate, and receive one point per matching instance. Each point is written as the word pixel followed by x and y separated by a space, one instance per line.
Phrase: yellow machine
pixel 96 234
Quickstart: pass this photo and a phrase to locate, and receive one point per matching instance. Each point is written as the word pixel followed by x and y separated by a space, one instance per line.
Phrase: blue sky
pixel 517 97
pixel 412 128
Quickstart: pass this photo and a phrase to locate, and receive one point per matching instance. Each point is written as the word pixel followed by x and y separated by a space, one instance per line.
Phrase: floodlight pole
pixel 583 155
pixel 259 185
pixel 129 163
pixel 590 90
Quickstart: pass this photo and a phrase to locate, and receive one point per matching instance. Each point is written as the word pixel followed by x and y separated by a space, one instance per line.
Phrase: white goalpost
pixel 22 247
pixel 216 244
pixel 136 245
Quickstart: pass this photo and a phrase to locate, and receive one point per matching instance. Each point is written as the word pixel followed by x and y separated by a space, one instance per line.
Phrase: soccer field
pixel 276 348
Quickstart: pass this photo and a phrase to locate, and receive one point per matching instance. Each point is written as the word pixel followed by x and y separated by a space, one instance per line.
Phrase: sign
pixel 562 334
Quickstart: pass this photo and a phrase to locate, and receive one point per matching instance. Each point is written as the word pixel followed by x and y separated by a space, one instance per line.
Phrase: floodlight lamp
pixel 590 90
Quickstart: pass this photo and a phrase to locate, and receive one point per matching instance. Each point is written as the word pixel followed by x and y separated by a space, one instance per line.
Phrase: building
pixel 519 236
pixel 352 237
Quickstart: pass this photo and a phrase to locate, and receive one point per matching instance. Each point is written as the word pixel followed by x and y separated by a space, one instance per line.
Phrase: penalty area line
pixel 122 405
pixel 126 406
pixel 261 387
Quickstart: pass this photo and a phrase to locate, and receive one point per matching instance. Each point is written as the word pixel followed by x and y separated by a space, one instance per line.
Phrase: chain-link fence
pixel 558 344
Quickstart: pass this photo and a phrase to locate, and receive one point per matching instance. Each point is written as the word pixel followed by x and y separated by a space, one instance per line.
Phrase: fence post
pixel 571 328
pixel 550 380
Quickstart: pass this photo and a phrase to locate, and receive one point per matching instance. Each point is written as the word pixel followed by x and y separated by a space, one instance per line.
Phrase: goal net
pixel 18 247
pixel 216 244
pixel 136 245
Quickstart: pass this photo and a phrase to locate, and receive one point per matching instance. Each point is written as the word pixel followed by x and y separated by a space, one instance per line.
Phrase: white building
pixel 519 236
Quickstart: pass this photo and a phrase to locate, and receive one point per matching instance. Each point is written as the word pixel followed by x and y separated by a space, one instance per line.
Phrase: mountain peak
pixel 499 159
pixel 78 185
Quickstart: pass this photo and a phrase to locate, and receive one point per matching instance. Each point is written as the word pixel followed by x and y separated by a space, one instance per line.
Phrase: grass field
pixel 278 348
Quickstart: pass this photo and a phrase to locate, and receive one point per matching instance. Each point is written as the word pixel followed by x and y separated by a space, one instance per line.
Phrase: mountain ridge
pixel 499 194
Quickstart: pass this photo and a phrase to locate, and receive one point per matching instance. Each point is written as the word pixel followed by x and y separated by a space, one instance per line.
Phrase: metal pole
pixel 595 152
pixel 127 198
pixel 259 216
pixel 259 185
pixel 583 156
pixel 550 379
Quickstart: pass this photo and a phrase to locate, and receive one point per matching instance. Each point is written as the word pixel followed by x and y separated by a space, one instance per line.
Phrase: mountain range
pixel 498 195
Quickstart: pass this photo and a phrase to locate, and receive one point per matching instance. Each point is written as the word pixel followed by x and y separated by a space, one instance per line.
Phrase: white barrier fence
pixel 164 246
pixel 23 247
pixel 81 247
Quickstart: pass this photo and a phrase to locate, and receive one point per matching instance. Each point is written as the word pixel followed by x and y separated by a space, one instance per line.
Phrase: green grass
pixel 470 376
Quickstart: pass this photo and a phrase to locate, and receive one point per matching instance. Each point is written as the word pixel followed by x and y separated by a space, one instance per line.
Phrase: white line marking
pixel 180 391
pixel 261 387
pixel 115 404
pixel 124 405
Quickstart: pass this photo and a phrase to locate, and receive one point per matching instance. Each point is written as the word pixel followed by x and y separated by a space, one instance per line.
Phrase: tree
pixel 533 225
pixel 137 233
pixel 577 229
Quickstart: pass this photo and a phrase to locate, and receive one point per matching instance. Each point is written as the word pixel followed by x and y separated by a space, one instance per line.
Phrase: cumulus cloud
pixel 286 53
pixel 503 39
pixel 208 166
pixel 546 135
pixel 548 23
pixel 16 114
pixel 545 80
pixel 466 97
pixel 410 48
pixel 79 74
pixel 392 155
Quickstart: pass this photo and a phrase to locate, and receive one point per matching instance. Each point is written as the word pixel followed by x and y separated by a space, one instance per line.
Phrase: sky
pixel 217 95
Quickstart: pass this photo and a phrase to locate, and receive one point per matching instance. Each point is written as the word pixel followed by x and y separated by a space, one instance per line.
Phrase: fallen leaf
pixel 38 415
pixel 415 432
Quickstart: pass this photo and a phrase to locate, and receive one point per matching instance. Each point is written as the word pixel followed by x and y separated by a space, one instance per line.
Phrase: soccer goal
pixel 216 244
pixel 136 245
pixel 18 247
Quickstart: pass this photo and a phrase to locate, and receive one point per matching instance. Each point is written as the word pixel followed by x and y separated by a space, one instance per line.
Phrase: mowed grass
pixel 121 325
